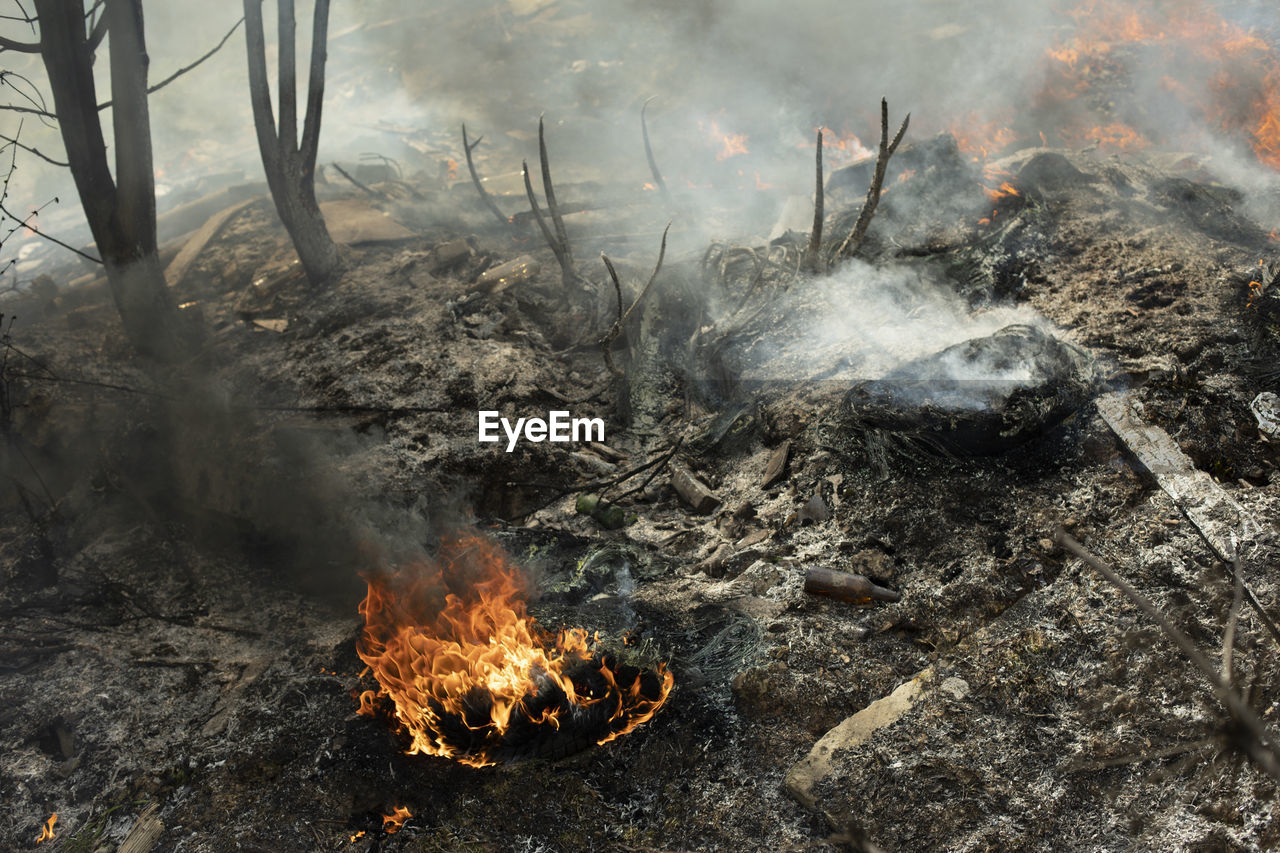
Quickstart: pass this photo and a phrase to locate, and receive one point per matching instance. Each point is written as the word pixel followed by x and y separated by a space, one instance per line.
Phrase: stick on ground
pixel 1260 743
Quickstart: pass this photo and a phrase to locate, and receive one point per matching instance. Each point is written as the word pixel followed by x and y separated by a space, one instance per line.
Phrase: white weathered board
pixel 1222 521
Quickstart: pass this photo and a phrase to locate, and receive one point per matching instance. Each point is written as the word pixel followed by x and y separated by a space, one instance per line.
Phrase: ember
pixel 473 677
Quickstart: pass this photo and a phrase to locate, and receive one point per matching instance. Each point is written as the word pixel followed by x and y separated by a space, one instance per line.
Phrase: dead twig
pixel 648 155
pixel 813 260
pixel 1229 635
pixel 656 463
pixel 1260 743
pixel 657 466
pixel 467 148
pixel 184 69
pixel 380 196
pixel 606 344
pixel 853 242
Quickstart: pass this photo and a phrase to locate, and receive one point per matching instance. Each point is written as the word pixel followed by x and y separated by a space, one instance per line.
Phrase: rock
pixel 814 511
pixel 499 278
pixel 777 466
pixel 692 490
pixel 1266 410
pixel 713 566
pixel 450 254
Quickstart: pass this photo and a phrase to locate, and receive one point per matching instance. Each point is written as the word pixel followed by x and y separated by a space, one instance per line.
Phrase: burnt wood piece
pixel 844 586
pixel 145 832
pixel 981 397
pixel 499 278
pixel 692 490
pixel 777 467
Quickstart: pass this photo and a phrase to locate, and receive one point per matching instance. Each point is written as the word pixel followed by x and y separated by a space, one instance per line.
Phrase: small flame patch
pixel 46 831
pixel 473 677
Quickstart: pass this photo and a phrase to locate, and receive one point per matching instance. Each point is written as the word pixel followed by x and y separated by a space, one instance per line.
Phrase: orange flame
pixel 391 823
pixel 468 670
pixel 731 144
pixel 980 139
pixel 452 164
pixel 46 831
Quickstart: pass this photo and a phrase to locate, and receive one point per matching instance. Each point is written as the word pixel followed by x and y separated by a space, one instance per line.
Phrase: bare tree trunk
pixel 291 165
pixel 121 211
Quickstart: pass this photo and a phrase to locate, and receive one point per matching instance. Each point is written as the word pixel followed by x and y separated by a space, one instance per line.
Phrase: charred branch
pixel 1260 743
pixel 290 165
pixel 184 69
pixel 553 207
pixel 557 248
pixel 606 344
pixel 18 46
pixel 648 155
pixel 32 150
pixel 364 188
pixel 468 147
pixel 120 209
pixel 813 260
pixel 853 242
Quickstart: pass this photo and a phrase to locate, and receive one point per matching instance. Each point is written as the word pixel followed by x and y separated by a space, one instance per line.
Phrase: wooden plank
pixel 1222 521
pixel 144 834
pixel 187 255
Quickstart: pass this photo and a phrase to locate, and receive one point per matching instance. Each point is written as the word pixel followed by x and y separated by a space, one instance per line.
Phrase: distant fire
pixel 1200 63
pixel 730 144
pixel 473 677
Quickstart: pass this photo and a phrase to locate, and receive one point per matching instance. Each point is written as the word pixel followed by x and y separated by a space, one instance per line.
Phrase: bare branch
pixel 853 242
pixel 315 87
pixel 287 69
pixel 18 46
pixel 33 150
pixel 99 31
pixel 187 68
pixel 468 147
pixel 606 344
pixel 813 254
pixel 1233 618
pixel 259 89
pixel 27 111
pixel 553 208
pixel 648 155
pixel 26 223
pixel 556 248
pixel 358 185
pixel 1260 745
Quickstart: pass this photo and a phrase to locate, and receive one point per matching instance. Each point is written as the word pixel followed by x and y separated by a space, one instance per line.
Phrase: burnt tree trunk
pixel 291 165
pixel 122 210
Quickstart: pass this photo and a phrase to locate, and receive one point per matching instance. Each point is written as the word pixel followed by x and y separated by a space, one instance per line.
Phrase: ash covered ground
pixel 181 550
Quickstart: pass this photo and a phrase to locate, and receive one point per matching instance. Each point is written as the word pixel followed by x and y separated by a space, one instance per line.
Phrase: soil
pixel 182 545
